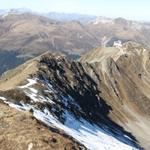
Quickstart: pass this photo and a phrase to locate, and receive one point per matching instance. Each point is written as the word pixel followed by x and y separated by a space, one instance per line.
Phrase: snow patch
pixel 3 98
pixel 30 146
pixel 5 15
pixel 92 136
pixel 33 90
pixel 31 82
pixel 103 20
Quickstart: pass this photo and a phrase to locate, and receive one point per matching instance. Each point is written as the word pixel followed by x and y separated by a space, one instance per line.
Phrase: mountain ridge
pixel 87 93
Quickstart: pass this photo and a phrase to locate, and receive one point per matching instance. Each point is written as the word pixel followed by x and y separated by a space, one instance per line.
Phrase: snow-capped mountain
pixel 15 10
pixel 101 19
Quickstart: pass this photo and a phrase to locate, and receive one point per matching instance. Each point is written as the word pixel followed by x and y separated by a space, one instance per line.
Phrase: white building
pixel 117 44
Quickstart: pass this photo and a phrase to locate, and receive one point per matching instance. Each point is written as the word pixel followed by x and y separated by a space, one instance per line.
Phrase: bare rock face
pixel 104 95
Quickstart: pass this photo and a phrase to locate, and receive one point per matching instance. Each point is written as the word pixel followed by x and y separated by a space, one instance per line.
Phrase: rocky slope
pixel 123 79
pixel 101 101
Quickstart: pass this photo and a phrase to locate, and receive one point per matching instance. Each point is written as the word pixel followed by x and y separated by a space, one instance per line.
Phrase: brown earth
pixel 20 131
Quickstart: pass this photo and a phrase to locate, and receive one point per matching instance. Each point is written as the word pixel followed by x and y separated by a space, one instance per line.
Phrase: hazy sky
pixel 133 9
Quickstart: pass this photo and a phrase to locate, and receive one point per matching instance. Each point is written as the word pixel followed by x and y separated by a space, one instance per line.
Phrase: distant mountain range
pixel 15 10
pixel 52 15
pixel 25 34
pixel 70 17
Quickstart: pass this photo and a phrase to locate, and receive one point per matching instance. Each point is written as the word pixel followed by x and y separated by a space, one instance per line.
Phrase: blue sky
pixel 132 9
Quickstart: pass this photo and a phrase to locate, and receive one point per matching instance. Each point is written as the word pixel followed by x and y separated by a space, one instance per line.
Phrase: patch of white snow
pixel 31 82
pixel 3 98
